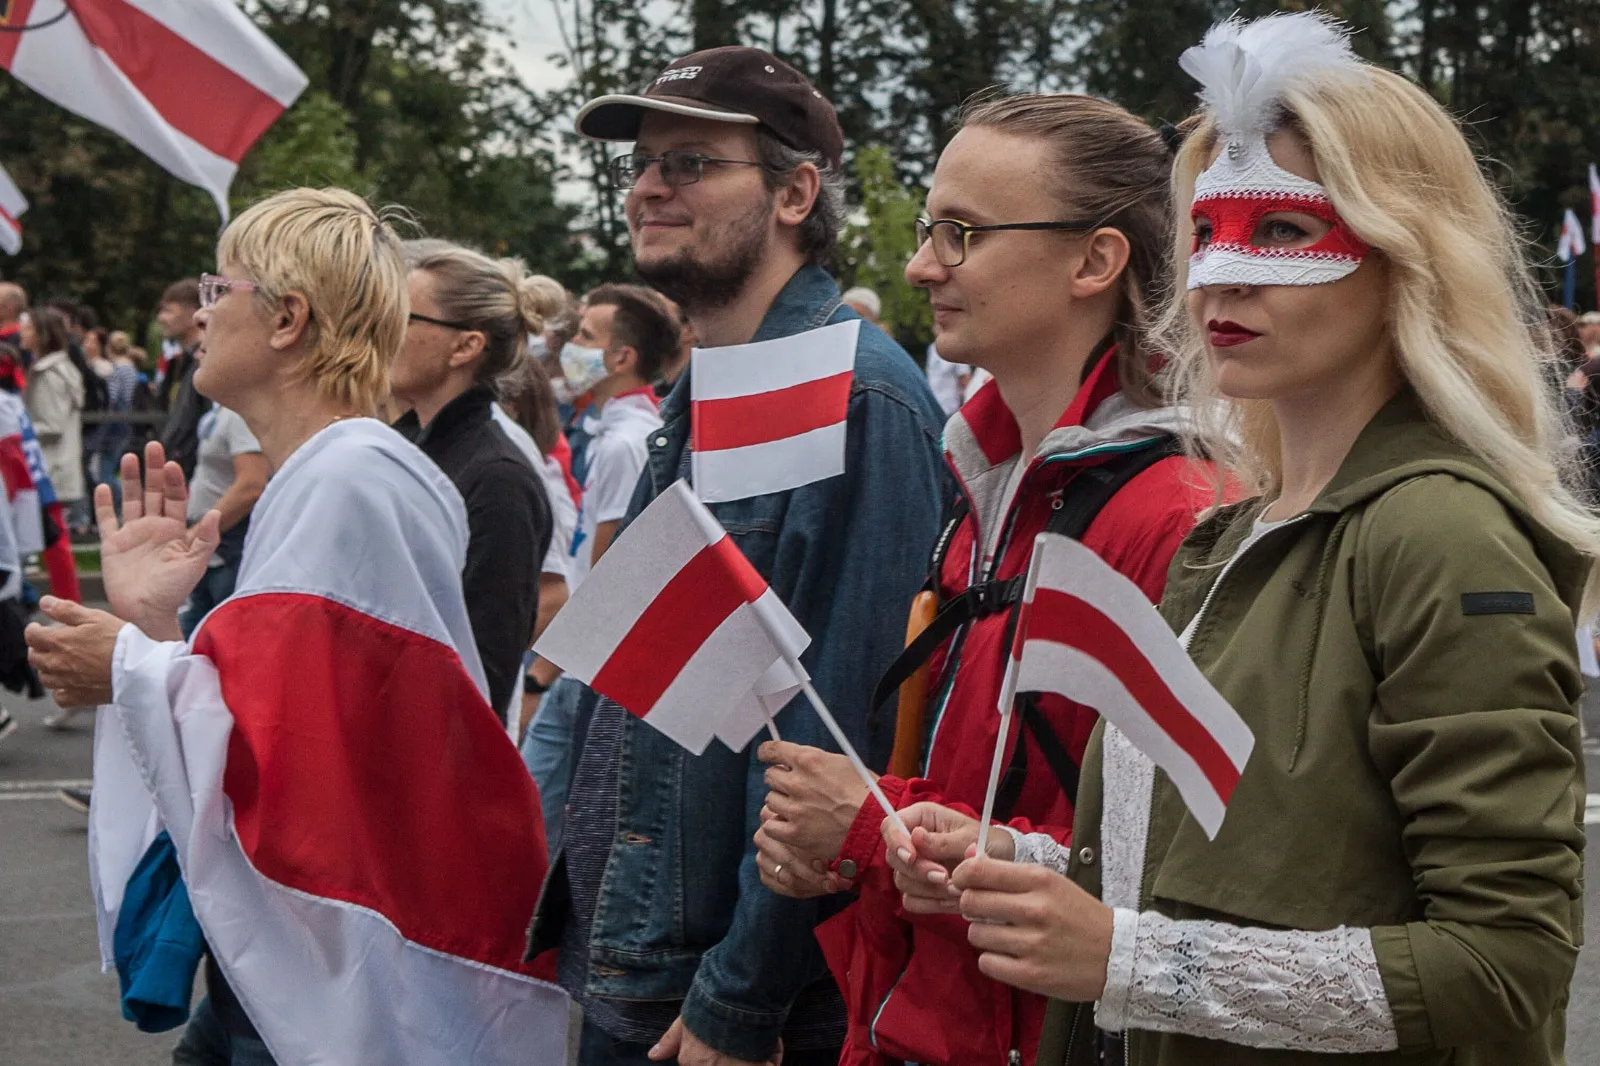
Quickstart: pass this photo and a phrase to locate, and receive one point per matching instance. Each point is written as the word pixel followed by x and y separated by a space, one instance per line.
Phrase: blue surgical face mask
pixel 583 368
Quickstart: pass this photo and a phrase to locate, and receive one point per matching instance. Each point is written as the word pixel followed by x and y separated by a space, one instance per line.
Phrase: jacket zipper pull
pixel 1013 1057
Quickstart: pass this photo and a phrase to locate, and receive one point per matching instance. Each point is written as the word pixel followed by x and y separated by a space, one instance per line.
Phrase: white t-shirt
pixel 617 455
pixel 563 512
pixel 944 378
pixel 223 435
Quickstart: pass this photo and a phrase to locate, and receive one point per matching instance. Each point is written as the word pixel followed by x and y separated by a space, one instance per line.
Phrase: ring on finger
pixel 777 872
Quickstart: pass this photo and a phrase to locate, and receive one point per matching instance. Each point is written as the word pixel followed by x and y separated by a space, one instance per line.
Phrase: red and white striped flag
pixel 676 626
pixel 770 416
pixel 190 83
pixel 1570 245
pixel 12 204
pixel 1089 633
pixel 1594 205
pixel 360 840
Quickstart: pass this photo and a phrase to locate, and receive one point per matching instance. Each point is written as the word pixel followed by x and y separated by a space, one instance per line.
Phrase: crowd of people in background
pixel 751 906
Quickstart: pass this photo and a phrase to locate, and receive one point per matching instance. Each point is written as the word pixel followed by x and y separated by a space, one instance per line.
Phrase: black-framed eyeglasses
pixel 678 167
pixel 418 317
pixel 950 236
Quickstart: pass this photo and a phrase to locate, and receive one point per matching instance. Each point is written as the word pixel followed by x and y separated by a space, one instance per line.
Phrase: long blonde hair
pixel 1467 321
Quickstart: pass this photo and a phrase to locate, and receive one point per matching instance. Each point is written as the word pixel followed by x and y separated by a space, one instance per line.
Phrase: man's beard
pixel 699 285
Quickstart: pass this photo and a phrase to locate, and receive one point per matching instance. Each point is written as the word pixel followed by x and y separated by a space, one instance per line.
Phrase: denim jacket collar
pixel 807 301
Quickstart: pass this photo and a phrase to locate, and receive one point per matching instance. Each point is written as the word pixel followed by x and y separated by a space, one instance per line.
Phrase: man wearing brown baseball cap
pixel 668 937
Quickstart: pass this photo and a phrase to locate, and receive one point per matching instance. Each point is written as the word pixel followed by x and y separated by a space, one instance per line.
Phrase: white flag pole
pixel 772 726
pixel 1008 693
pixel 849 750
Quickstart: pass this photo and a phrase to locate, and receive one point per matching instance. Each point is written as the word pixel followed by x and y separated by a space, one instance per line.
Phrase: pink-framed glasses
pixel 212 286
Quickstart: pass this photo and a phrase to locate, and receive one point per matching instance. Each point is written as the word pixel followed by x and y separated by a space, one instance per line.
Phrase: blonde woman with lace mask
pixel 1398 878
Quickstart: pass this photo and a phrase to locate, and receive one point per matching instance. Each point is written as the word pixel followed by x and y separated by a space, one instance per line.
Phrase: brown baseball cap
pixel 729 84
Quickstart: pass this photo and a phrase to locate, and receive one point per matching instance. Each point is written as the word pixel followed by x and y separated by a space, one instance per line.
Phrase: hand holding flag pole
pixel 851 754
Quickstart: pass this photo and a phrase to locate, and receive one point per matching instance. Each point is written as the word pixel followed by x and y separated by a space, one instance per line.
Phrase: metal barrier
pixel 131 418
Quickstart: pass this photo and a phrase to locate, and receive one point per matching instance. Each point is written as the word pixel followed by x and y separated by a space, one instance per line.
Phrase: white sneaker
pixel 60 719
pixel 8 724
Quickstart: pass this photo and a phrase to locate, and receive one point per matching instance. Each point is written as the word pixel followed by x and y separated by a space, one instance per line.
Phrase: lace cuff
pixel 1040 849
pixel 1263 988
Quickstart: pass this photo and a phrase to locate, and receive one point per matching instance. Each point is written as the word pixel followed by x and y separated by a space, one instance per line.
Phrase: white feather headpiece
pixel 1244 67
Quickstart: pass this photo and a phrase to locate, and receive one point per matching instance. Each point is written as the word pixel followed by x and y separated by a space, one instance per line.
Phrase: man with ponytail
pixel 468 327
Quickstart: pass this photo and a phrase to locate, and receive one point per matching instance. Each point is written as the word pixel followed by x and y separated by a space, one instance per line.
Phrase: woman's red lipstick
pixel 1226 334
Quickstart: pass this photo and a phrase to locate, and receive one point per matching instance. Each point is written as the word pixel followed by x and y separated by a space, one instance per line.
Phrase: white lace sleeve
pixel 1262 988
pixel 1041 849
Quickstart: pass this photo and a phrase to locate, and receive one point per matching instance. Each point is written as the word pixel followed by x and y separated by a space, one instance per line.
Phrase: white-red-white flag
pixel 1594 205
pixel 1089 633
pixel 361 843
pixel 12 204
pixel 770 416
pixel 674 624
pixel 1571 245
pixel 190 83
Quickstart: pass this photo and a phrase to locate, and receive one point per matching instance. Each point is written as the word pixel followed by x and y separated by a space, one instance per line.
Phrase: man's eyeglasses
pixel 677 167
pixel 213 286
pixel 950 237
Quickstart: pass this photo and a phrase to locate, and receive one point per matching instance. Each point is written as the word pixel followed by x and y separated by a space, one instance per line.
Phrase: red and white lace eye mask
pixel 1235 193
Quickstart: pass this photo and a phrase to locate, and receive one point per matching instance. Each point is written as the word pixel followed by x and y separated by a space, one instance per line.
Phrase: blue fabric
pixel 547 750
pixel 667 903
pixel 157 942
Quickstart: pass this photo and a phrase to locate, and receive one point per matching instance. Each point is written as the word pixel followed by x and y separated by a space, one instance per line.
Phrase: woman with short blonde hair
pixel 1399 875
pixel 331 709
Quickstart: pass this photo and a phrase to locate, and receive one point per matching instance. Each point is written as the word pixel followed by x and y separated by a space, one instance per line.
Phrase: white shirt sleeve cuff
pixel 1111 1012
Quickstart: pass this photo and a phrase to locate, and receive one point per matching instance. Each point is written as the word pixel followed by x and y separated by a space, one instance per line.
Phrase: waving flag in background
pixel 190 83
pixel 1568 248
pixel 12 204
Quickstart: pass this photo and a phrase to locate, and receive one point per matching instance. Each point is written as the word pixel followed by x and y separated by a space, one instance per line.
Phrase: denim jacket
pixel 682 914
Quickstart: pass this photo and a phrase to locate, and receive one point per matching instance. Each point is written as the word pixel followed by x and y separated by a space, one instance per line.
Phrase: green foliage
pixel 879 241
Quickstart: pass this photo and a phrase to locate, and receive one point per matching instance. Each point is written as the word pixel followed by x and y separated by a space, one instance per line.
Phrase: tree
pixel 878 242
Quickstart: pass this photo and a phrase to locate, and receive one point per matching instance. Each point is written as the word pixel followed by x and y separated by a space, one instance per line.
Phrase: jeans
pixel 547 750
pixel 215 587
pixel 600 1048
pixel 207 1042
pixel 106 469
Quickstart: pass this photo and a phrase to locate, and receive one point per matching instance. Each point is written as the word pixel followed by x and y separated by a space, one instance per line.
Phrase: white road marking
pixel 1591 812
pixel 36 786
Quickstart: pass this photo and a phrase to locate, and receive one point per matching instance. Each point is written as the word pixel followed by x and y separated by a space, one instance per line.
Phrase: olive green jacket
pixel 1404 654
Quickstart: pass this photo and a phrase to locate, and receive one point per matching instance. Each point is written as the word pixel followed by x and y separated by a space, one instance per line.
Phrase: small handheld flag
pixel 771 416
pixel 1568 248
pixel 1089 634
pixel 676 626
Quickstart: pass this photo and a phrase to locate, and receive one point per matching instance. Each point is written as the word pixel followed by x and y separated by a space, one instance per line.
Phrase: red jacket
pixel 911 983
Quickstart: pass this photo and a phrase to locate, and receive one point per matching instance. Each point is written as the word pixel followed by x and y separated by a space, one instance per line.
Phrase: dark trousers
pixel 599 1048
pixel 207 1042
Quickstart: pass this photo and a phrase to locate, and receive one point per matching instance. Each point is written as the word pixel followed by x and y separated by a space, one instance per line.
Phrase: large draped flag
pixel 1089 633
pixel 12 204
pixel 360 840
pixel 190 83
pixel 18 463
pixel 676 626
pixel 771 415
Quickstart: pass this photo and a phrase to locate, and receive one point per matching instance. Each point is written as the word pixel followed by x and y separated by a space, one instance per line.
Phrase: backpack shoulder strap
pixel 1074 511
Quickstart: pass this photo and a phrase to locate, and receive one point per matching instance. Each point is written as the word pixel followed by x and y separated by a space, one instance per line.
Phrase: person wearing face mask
pixel 1399 877
pixel 624 336
pixel 1043 259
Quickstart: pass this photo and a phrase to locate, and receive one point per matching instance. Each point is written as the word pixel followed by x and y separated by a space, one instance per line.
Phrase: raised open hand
pixel 152 560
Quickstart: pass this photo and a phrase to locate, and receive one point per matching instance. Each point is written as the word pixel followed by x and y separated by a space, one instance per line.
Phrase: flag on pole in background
pixel 1089 634
pixel 12 204
pixel 674 624
pixel 1568 248
pixel 770 415
pixel 1571 245
pixel 190 83
pixel 1594 205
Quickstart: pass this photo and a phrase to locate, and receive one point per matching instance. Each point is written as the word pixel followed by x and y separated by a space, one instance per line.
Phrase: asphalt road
pixel 58 1009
